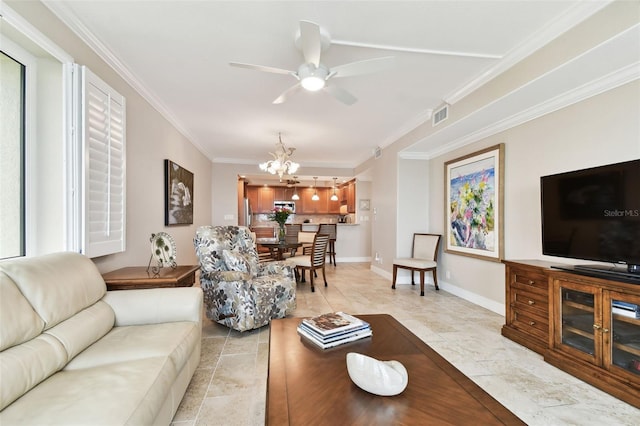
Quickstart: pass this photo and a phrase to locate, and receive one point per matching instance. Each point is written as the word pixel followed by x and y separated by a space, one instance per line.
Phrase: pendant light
pixel 295 195
pixel 334 197
pixel 315 192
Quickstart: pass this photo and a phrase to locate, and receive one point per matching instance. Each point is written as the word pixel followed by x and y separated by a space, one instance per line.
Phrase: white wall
pixel 601 130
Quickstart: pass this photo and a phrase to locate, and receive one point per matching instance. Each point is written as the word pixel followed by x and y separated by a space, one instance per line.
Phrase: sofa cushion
pixel 84 328
pixel 18 321
pixel 24 366
pixel 123 393
pixel 122 344
pixel 53 292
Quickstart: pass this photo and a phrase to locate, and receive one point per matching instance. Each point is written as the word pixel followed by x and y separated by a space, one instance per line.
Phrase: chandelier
pixel 281 163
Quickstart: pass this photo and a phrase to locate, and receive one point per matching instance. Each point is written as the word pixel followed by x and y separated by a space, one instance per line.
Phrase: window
pixel 61 189
pixel 12 183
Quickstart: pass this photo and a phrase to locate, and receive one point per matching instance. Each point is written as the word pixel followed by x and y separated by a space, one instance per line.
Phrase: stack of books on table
pixel 333 329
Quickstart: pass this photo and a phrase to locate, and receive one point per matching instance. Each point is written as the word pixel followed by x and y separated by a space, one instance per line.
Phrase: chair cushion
pixel 300 261
pixel 236 261
pixel 415 263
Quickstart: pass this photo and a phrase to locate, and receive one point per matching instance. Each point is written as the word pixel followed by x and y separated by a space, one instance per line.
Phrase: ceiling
pixel 177 54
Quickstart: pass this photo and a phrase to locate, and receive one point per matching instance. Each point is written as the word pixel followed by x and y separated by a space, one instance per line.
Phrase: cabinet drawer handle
pixel 531 282
pixel 531 302
pixel 532 323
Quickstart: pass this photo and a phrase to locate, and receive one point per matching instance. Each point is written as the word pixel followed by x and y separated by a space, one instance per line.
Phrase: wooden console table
pixel 307 385
pixel 137 277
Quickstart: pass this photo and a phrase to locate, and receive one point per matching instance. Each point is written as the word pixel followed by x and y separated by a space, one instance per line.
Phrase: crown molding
pixel 553 30
pixel 414 155
pixel 593 88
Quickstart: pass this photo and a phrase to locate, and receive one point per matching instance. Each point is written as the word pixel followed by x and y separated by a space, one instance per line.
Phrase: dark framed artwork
pixel 474 191
pixel 178 190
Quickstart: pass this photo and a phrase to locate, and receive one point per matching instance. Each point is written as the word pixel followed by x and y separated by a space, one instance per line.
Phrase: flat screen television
pixel 594 214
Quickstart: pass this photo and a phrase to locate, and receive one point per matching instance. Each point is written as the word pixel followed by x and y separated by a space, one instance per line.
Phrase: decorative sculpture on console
pixel 163 250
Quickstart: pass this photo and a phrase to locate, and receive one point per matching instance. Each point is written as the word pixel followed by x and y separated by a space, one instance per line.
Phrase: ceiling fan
pixel 313 75
pixel 292 182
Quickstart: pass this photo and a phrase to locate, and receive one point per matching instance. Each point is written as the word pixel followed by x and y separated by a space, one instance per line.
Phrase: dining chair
pixel 306 238
pixel 330 229
pixel 263 255
pixel 312 262
pixel 424 257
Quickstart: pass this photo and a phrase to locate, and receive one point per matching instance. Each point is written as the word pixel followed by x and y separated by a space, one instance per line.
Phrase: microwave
pixel 291 205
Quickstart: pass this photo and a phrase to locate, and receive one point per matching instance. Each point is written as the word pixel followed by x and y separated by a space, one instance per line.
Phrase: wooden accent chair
pixel 316 260
pixel 424 257
pixel 331 229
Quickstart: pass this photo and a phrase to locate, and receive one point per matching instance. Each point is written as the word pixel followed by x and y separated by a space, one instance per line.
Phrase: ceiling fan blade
pixel 363 67
pixel 341 94
pixel 261 68
pixel 290 91
pixel 311 42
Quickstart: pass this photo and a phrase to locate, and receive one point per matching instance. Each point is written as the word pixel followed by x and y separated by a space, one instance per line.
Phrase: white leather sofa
pixel 76 354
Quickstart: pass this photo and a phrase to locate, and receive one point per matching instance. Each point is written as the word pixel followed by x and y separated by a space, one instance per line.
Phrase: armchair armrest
pixel 154 306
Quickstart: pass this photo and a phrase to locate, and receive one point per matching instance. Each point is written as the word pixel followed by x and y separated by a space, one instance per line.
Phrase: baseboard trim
pixel 492 305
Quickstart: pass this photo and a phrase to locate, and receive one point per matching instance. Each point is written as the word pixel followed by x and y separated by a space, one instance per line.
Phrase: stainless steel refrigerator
pixel 247 212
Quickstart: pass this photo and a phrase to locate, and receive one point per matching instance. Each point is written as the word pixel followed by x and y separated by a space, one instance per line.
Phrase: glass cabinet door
pixel 578 319
pixel 625 332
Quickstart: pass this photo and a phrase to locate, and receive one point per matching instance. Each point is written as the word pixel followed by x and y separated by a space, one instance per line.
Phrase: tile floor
pixel 229 386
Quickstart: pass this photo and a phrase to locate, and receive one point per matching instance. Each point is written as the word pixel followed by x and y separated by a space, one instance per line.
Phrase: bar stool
pixel 330 229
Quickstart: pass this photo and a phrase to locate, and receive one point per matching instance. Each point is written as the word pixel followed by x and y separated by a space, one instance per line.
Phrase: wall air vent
pixel 440 115
pixel 377 152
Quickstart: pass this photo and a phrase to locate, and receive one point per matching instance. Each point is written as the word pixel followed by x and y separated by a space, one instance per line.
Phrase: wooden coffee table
pixel 137 277
pixel 310 386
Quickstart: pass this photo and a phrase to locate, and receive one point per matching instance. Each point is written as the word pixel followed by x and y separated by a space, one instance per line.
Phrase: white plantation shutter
pixel 103 167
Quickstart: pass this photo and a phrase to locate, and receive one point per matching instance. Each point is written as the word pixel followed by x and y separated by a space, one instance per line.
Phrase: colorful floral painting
pixel 473 204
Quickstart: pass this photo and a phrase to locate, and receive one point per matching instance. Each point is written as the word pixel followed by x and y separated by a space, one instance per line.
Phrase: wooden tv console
pixel 581 324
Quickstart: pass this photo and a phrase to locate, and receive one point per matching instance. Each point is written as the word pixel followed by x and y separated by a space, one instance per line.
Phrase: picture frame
pixel 365 204
pixel 474 193
pixel 178 190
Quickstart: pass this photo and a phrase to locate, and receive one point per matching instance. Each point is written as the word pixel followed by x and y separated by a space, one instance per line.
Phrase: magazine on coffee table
pixel 333 323
pixel 330 343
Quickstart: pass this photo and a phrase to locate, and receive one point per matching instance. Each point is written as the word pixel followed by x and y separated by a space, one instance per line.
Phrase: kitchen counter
pixel 353 242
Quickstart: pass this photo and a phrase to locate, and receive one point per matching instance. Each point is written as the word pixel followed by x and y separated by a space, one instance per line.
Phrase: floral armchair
pixel 240 292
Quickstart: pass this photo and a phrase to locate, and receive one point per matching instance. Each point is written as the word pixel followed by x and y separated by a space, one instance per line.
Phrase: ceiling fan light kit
pixel 313 78
pixel 313 75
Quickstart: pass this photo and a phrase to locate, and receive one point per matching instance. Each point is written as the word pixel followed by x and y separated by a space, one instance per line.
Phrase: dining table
pixel 278 248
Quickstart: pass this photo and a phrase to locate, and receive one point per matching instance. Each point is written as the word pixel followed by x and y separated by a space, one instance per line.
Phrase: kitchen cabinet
pixel 348 196
pixel 261 198
pixel 333 207
pixel 309 206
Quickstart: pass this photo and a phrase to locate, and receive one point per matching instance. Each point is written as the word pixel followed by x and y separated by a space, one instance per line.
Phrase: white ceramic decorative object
pixel 383 378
